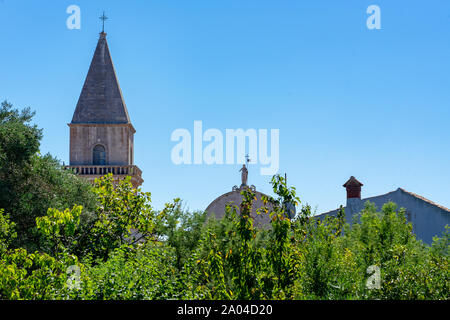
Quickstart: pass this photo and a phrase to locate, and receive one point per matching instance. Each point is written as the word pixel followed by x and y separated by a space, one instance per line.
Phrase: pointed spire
pixel 101 99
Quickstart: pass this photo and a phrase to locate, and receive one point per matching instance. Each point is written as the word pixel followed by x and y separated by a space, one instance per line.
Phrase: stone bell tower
pixel 101 133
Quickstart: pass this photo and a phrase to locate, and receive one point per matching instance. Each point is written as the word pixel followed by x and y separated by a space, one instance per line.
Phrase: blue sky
pixel 347 100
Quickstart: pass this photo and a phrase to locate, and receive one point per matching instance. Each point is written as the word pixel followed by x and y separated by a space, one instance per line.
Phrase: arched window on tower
pixel 99 155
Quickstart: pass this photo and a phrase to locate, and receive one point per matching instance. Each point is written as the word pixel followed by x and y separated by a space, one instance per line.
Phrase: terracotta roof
pixel 101 100
pixel 352 182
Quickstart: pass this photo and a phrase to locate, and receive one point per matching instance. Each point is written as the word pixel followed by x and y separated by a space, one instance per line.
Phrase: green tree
pixel 180 229
pixel 123 216
pixel 140 272
pixel 30 276
pixel 29 182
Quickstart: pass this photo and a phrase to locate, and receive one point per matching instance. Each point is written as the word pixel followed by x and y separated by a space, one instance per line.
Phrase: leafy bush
pixel 112 244
pixel 31 183
pixel 142 272
pixel 307 258
pixel 123 216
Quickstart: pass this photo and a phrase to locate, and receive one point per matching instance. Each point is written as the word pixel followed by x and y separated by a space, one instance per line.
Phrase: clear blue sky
pixel 347 100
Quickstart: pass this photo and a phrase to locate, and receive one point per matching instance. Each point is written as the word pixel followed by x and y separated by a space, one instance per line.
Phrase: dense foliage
pixel 63 239
pixel 30 183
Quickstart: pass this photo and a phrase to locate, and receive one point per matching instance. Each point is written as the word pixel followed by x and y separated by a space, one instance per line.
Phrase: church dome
pixel 217 207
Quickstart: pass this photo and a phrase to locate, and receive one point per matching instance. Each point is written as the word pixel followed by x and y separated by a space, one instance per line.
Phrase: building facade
pixel 428 219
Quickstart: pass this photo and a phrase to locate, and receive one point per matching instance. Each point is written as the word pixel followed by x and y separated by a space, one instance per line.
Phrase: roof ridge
pixel 424 199
pixel 384 194
pixel 364 199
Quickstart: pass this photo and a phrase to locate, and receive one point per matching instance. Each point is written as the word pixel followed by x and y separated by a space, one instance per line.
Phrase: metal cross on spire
pixel 103 18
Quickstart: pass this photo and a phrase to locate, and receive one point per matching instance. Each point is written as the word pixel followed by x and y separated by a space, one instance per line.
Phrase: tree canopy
pixel 30 183
pixel 61 238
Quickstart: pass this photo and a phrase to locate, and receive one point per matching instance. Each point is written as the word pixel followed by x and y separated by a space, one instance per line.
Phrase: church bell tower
pixel 101 133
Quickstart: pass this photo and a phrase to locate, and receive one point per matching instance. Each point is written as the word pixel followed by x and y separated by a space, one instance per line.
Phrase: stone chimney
pixel 353 188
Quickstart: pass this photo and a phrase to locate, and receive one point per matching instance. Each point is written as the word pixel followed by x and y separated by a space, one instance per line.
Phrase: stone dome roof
pixel 217 207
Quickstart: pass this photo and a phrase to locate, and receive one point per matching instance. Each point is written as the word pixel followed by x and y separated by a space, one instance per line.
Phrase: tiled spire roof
pixel 101 99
